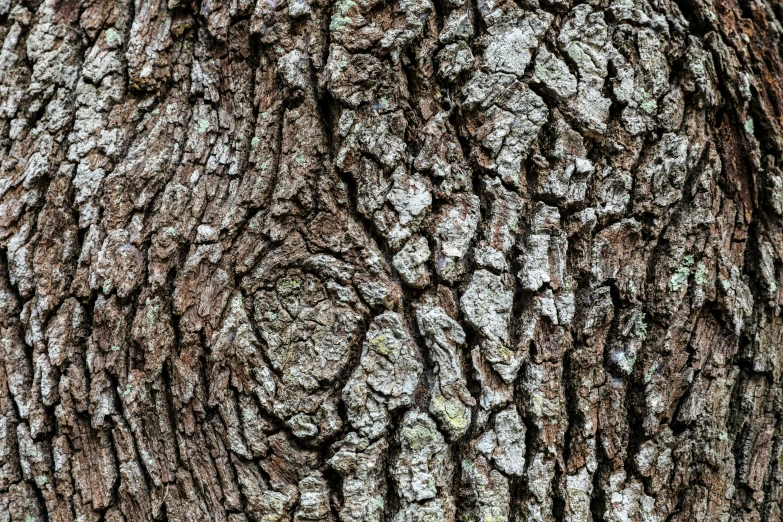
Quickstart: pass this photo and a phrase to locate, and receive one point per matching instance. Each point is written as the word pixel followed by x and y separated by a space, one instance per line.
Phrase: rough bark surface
pixel 414 260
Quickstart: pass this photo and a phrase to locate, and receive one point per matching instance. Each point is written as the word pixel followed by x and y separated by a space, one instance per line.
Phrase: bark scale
pixel 421 260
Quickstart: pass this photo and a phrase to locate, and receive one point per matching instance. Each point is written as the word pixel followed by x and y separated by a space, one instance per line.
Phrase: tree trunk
pixel 425 260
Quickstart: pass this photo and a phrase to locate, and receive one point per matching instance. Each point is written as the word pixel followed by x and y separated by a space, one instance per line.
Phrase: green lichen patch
pixel 111 36
pixel 640 327
pixel 682 273
pixel 452 410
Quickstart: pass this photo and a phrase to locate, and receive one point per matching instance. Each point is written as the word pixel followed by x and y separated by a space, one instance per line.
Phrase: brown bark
pixel 424 260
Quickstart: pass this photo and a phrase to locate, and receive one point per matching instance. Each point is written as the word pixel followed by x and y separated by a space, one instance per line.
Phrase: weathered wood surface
pixel 415 260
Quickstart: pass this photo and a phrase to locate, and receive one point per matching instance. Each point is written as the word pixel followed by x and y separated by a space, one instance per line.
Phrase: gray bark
pixel 415 260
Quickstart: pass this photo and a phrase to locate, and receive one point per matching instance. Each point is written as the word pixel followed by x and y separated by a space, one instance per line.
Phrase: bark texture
pixel 405 261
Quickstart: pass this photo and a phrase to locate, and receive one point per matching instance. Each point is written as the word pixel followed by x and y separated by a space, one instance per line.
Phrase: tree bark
pixel 423 260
